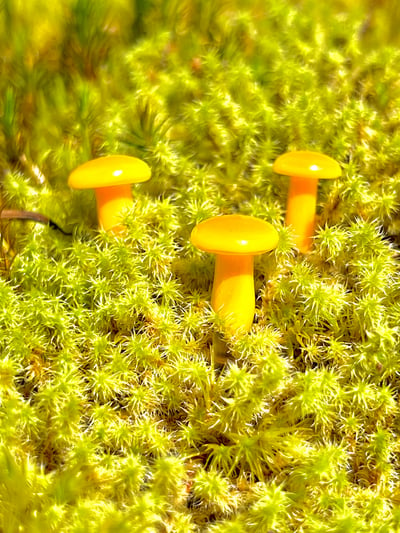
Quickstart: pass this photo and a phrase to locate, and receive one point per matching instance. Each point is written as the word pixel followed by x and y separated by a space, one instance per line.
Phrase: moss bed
pixel 112 415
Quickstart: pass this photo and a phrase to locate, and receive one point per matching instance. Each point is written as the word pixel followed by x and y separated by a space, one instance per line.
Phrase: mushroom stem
pixel 300 214
pixel 233 296
pixel 111 203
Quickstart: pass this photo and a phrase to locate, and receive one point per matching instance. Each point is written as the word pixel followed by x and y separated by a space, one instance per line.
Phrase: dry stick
pixel 30 215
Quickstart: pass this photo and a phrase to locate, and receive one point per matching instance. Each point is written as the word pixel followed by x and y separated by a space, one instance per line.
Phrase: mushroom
pixel 305 168
pixel 111 178
pixel 235 239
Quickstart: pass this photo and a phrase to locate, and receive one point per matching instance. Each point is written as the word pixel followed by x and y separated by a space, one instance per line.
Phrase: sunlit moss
pixel 113 415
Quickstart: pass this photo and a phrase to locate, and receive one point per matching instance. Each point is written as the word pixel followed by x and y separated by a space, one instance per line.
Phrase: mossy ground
pixel 112 416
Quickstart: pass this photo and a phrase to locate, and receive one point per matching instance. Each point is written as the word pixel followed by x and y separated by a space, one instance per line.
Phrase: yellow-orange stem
pixel 111 203
pixel 233 295
pixel 300 211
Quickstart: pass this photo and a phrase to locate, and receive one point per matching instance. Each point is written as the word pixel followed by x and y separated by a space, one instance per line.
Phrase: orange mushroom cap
pixel 234 235
pixel 306 164
pixel 109 171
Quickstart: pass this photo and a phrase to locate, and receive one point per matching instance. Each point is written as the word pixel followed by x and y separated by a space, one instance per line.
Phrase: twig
pixel 30 215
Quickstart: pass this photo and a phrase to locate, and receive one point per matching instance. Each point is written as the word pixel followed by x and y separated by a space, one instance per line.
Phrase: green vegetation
pixel 113 418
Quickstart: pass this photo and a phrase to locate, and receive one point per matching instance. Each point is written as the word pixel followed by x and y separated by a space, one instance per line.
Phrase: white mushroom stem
pixel 233 296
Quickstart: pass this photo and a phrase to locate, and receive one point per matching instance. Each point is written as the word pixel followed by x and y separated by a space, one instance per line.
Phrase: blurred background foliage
pixel 228 85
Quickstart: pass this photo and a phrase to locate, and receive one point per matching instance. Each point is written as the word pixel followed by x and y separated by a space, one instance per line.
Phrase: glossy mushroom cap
pixel 306 164
pixel 234 235
pixel 109 171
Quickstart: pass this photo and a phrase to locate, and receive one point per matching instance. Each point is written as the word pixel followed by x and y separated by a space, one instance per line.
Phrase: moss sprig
pixel 113 416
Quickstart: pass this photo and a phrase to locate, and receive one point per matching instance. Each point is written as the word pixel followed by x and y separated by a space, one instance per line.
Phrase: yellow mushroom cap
pixel 306 164
pixel 234 235
pixel 109 171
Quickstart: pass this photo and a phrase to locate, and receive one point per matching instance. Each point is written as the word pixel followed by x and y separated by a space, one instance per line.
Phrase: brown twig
pixel 30 215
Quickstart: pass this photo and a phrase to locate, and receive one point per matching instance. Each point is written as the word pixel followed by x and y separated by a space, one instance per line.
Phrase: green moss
pixel 112 415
